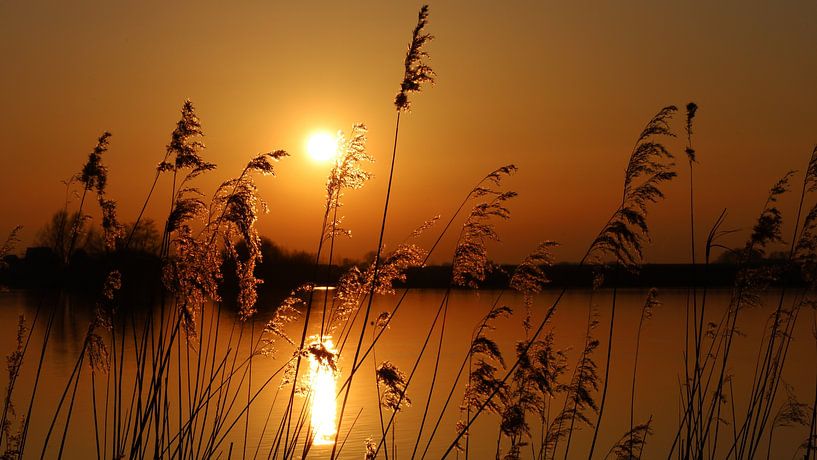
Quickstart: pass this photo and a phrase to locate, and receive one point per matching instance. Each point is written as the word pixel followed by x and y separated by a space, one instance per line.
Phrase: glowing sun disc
pixel 322 147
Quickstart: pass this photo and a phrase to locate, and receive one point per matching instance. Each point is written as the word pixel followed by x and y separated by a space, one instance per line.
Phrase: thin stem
pixel 374 282
pixel 635 372
pixel 606 375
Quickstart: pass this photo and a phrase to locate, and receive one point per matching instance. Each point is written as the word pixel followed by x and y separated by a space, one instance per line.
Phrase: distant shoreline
pixel 86 273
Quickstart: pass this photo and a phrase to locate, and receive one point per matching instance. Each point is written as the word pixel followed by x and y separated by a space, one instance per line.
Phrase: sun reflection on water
pixel 322 379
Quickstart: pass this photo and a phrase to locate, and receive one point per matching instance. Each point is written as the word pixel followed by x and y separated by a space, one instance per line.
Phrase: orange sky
pixel 561 89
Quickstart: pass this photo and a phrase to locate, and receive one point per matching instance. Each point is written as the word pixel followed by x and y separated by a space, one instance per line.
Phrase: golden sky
pixel 561 89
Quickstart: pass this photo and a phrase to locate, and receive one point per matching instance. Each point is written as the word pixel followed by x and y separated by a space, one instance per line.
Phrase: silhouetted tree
pixel 56 234
pixel 145 239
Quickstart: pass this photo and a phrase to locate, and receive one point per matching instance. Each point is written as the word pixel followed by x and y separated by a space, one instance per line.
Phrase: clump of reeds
pixel 14 361
pixel 11 436
pixel 535 384
pixel 622 239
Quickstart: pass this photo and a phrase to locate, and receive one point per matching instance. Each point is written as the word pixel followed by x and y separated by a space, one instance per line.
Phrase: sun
pixel 322 147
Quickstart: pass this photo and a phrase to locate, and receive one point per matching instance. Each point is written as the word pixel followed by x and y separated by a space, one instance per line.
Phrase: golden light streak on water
pixel 322 380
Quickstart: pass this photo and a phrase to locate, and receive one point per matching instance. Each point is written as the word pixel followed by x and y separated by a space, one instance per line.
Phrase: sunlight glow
pixel 322 147
pixel 322 384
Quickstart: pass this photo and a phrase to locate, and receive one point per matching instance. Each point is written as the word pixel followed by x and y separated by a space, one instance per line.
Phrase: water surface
pixel 660 370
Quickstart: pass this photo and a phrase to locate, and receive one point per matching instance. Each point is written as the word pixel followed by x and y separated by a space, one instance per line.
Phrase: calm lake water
pixel 660 370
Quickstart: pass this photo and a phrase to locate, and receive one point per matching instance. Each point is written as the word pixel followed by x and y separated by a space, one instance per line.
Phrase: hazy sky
pixel 561 89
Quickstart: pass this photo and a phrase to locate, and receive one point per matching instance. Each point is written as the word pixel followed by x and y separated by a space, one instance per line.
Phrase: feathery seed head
pixel 185 146
pixel 649 167
pixel 8 245
pixel 94 174
pixel 692 108
pixel 394 380
pixel 471 265
pixel 631 445
pixel 811 171
pixel 263 163
pixel 416 72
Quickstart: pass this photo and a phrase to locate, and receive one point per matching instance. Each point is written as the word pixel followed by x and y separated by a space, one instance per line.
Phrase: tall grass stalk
pixel 416 74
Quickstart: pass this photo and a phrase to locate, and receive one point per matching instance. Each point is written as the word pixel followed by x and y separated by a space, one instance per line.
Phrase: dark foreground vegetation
pixel 190 394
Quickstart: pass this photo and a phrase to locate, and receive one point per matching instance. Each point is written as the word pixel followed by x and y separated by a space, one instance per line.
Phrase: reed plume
pixel 371 449
pixel 237 204
pixel 529 277
pixel 416 72
pixel 194 270
pixel 394 386
pixel 94 174
pixel 11 240
pixel 805 251
pixel 395 265
pixel 471 264
pixel 538 364
pixel 286 313
pixel 94 177
pixel 650 165
pixel 347 173
pixel 185 145
pixel 631 445
pixel 192 274
pixel 692 109
pixel 97 351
